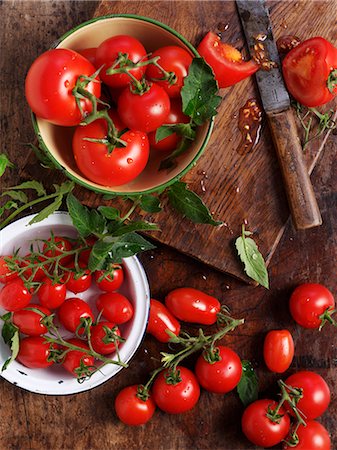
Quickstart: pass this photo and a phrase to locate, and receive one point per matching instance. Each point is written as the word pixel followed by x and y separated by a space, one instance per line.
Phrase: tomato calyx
pixel 326 317
pixel 111 336
pixel 80 92
pixel 212 355
pixel 332 81
pixel 173 376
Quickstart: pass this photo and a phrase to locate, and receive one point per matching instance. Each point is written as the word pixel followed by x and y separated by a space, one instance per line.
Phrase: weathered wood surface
pixel 87 421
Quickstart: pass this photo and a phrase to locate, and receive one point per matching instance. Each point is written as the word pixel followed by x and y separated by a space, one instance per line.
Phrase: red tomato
pixel 172 59
pixel 76 362
pixel 306 70
pixel 315 391
pixel 259 429
pixel 111 280
pixel 192 305
pixel 160 320
pixel 89 54
pixel 51 295
pixel 131 409
pixel 120 166
pixel 5 274
pixel 115 307
pixel 104 337
pixel 109 51
pixel 278 350
pixel 29 322
pixel 14 296
pixel 176 398
pixel 171 142
pixel 220 376
pixel 313 436
pixel 57 246
pixel 39 272
pixel 72 311
pixel 226 61
pixel 85 254
pixel 308 302
pixel 78 281
pixel 145 112
pixel 50 82
pixel 34 352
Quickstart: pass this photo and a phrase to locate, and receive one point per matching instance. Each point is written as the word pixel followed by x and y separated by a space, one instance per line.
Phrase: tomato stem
pixel 326 317
pixel 332 81
pixel 291 395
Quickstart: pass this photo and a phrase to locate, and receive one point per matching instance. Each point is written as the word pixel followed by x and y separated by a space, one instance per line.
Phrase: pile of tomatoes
pixel 40 288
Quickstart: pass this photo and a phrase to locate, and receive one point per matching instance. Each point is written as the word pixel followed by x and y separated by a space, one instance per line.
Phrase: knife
pixel 256 23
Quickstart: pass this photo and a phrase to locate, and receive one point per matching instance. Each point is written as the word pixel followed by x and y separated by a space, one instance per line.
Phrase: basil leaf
pixel 150 203
pixel 4 163
pixel 248 386
pixel 109 212
pixel 135 226
pixel 80 215
pixel 36 185
pixel 190 204
pixel 253 261
pixel 16 195
pixel 199 92
pixel 45 212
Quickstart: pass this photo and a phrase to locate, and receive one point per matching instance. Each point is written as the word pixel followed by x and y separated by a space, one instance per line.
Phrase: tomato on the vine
pixel 161 320
pixel 14 295
pixel 176 392
pixel 50 294
pixel 30 322
pixel 72 311
pixel 85 254
pixel 312 436
pixel 57 246
pixel 278 350
pixel 131 409
pixel 6 275
pixel 115 307
pixel 79 364
pixel 35 271
pixel 261 430
pixel 78 282
pixel 109 280
pixel 35 352
pixel 105 337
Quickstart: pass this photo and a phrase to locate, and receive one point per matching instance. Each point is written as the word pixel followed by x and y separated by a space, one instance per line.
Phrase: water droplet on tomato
pixel 129 160
pixel 66 83
pixel 64 68
pixel 132 134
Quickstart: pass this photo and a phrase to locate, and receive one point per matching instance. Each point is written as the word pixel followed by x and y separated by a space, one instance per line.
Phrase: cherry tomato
pixel 89 54
pixel 6 275
pixel 131 409
pixel 313 436
pixel 72 311
pixel 111 280
pixel 50 294
pixel 120 166
pixel 259 429
pixel 50 82
pixel 171 142
pixel 172 59
pixel 306 70
pixel 176 397
pixel 115 307
pixel 14 296
pixel 85 254
pixel 104 337
pixel 78 281
pixel 78 363
pixel 226 61
pixel 308 302
pixel 220 376
pixel 145 112
pixel 57 246
pixel 160 320
pixel 39 272
pixel 29 322
pixel 192 305
pixel 278 350
pixel 315 391
pixel 34 352
pixel 111 49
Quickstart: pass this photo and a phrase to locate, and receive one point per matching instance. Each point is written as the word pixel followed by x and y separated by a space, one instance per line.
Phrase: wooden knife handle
pixel 301 197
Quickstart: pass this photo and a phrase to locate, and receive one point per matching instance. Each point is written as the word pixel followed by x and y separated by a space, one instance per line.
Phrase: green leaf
pixel 109 212
pixel 248 386
pixel 98 255
pixel 80 215
pixel 170 162
pixel 8 205
pixel 150 203
pixel 129 245
pixel 49 209
pixel 64 188
pixel 36 185
pixel 4 163
pixel 14 346
pixel 8 329
pixel 46 162
pixel 190 204
pixel 183 129
pixel 135 226
pixel 16 195
pixel 163 132
pixel 255 267
pixel 199 93
pixel 97 222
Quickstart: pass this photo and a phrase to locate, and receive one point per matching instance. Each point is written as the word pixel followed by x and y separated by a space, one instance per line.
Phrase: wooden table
pixel 87 420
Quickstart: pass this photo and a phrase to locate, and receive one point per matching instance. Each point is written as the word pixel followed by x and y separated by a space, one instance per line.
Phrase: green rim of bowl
pixel 104 190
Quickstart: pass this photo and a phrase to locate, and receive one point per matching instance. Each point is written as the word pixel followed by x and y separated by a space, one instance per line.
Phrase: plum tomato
pixel 72 311
pixel 177 392
pixel 30 322
pixel 79 364
pixel 192 305
pixel 310 305
pixel 50 294
pixel 105 337
pixel 161 320
pixel 144 112
pixel 131 409
pixel 35 352
pixel 57 246
pixel 172 59
pixel 261 430
pixel 315 391
pixel 115 307
pixel 14 295
pixel 226 61
pixel 6 275
pixel 50 84
pixel 313 436
pixel 222 375
pixel 109 280
pixel 278 350
pixel 119 51
pixel 77 282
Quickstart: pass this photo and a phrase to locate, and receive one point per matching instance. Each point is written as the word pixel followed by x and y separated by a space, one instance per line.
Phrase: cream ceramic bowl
pixel 56 140
pixel 55 380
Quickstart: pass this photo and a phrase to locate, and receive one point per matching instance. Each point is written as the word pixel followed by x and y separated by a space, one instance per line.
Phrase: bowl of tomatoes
pixel 64 329
pixel 118 81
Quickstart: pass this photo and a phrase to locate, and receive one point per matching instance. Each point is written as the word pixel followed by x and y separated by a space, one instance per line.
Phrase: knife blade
pixel 256 22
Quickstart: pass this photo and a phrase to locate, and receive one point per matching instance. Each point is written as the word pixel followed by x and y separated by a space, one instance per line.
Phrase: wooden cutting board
pixel 237 188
